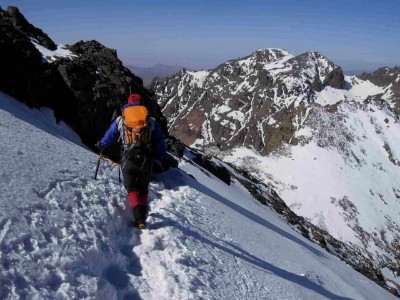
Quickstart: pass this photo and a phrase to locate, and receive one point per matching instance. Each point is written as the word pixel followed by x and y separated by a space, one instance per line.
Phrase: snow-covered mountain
pixel 327 143
pixel 64 235
pixel 237 103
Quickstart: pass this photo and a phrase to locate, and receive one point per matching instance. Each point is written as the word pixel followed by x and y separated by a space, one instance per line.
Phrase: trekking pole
pixel 98 164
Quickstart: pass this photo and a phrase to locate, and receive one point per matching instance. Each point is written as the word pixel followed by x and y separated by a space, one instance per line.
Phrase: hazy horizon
pixel 348 70
pixel 356 35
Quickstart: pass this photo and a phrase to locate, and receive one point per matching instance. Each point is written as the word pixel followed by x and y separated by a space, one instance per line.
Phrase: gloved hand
pixel 165 164
pixel 98 146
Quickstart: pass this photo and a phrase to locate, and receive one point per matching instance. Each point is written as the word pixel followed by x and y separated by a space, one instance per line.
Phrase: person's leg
pixel 141 209
pixel 130 172
pixel 136 180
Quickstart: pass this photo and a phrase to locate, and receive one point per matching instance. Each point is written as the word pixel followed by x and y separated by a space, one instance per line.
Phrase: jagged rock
pixel 382 77
pixel 213 167
pixel 86 91
pixel 335 79
pixel 19 22
pixel 175 146
pixel 21 62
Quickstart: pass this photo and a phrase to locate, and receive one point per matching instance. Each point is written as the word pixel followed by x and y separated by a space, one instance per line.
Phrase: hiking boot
pixel 141 224
pixel 139 213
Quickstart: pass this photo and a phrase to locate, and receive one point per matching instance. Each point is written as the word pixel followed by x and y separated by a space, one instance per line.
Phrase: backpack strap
pixel 120 128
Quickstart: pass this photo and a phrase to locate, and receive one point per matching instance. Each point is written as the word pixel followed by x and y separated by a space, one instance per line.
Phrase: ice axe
pixel 98 163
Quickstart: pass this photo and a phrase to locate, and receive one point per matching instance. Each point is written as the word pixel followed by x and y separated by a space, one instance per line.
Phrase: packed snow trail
pixel 64 235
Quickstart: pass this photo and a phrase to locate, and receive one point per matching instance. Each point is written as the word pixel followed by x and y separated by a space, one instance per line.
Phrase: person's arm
pixel 158 140
pixel 111 136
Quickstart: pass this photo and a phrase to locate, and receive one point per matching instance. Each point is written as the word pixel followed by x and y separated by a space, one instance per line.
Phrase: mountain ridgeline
pixel 244 96
pixel 256 101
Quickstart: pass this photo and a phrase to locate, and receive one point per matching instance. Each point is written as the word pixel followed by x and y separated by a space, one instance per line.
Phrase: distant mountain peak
pixel 266 55
pixel 272 53
pixel 265 82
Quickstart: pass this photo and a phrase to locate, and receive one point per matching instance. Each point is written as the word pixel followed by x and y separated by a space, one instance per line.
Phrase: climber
pixel 142 142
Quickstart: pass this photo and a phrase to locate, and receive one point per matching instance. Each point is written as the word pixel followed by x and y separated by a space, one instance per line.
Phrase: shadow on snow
pixel 234 249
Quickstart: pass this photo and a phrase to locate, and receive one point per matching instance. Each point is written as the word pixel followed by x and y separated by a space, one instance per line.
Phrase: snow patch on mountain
pixel 356 90
pixel 198 77
pixel 343 176
pixel 388 95
pixel 361 89
pixel 49 56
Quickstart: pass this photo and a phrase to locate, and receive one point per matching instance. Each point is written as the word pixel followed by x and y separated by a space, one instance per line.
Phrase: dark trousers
pixel 137 174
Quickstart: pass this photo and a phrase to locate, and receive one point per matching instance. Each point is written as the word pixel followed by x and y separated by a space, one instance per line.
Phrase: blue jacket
pixel 112 135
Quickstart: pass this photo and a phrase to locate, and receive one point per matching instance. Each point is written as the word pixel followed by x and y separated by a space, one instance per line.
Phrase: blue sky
pixel 356 34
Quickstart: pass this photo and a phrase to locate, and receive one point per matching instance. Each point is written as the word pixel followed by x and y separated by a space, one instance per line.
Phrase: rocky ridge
pixel 237 103
pixel 85 88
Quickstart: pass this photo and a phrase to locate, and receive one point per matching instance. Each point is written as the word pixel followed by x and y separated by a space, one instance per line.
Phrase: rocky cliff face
pixel 85 83
pixel 389 80
pixel 251 101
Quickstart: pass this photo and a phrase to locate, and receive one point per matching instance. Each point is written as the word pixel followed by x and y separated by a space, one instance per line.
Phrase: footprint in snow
pixel 114 275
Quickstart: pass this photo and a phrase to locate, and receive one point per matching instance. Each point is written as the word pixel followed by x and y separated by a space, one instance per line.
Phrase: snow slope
pixel 64 235
pixel 343 176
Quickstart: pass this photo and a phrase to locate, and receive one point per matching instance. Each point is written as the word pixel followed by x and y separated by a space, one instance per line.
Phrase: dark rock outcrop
pixel 335 79
pixel 21 63
pixel 175 146
pixel 86 91
pixel 19 22
pixel 382 77
pixel 213 166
